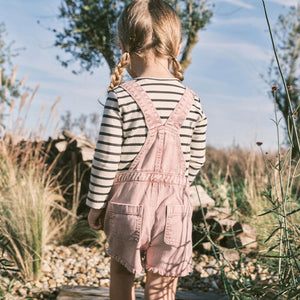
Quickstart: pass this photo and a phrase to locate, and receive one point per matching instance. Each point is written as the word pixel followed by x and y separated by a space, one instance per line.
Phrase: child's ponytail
pixel 144 25
pixel 177 69
pixel 116 77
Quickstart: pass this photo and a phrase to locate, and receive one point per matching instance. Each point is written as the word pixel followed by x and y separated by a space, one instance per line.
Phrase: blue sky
pixel 225 72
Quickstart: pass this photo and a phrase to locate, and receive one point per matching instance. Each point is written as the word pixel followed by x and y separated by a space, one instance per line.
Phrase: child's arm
pixel 107 154
pixel 198 145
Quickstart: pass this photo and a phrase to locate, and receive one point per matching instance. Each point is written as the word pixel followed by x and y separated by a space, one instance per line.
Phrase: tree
pixel 6 55
pixel 287 34
pixel 9 86
pixel 89 35
pixel 87 124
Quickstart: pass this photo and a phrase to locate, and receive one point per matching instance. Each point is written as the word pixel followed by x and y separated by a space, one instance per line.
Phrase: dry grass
pixel 244 180
pixel 28 193
pixel 28 198
pixel 32 212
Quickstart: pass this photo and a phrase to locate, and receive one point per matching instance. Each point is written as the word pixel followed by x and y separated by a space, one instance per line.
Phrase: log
pixel 61 146
pixel 248 241
pixel 245 240
pixel 198 195
pixel 81 140
pixel 248 230
pixel 231 226
pixel 87 154
pixel 204 247
pixel 218 212
pixel 200 232
pixel 198 216
pixel 231 242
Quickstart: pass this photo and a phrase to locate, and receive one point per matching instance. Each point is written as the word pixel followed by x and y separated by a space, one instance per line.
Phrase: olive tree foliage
pixel 9 85
pixel 89 35
pixel 287 38
pixel 7 53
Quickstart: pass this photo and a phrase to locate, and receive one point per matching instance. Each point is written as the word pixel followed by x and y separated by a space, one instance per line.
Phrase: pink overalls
pixel 148 217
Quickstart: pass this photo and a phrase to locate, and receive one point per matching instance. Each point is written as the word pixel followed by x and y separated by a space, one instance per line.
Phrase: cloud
pixel 240 119
pixel 256 22
pixel 286 2
pixel 239 3
pixel 245 50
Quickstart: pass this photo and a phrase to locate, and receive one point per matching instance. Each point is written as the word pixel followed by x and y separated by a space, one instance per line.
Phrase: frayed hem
pixel 162 272
pixel 123 262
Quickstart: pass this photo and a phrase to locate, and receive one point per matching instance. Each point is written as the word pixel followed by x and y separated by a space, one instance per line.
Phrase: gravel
pixel 89 266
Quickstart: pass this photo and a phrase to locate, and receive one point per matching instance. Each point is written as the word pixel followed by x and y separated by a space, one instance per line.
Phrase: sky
pixel 227 63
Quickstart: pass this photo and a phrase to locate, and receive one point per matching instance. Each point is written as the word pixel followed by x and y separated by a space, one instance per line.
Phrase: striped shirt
pixel 123 132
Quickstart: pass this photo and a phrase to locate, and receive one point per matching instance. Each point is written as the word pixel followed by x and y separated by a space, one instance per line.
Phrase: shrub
pixel 28 198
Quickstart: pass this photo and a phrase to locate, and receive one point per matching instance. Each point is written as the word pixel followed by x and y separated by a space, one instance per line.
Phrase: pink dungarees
pixel 148 217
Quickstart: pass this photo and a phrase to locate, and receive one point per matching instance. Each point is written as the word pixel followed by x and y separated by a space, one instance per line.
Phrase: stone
pixel 214 285
pixel 22 292
pixel 211 271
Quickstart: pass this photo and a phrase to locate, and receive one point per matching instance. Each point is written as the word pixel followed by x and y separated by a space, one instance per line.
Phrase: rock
pixel 22 292
pixel 231 255
pixel 104 282
pixel 46 268
pixel 52 283
pixel 199 268
pixel 91 268
pixel 211 271
pixel 204 274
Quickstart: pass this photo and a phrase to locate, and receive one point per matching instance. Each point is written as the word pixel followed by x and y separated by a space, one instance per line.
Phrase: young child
pixel 151 146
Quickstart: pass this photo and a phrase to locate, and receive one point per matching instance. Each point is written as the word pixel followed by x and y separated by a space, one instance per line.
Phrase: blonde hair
pixel 144 25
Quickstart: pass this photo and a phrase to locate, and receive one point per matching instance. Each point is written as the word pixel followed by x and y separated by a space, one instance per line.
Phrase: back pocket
pixel 125 221
pixel 176 221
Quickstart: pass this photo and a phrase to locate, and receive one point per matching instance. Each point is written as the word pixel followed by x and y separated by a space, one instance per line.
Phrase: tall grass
pixel 249 183
pixel 234 177
pixel 269 185
pixel 76 229
pixel 29 194
pixel 28 198
pixel 285 238
pixel 33 211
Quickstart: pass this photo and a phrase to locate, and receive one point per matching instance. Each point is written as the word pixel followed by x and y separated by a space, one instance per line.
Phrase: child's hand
pixel 96 218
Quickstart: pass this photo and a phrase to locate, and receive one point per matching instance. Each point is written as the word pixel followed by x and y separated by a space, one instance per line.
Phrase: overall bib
pixel 148 217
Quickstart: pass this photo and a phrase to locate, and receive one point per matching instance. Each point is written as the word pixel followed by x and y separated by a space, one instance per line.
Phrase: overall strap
pixel 151 115
pixel 181 110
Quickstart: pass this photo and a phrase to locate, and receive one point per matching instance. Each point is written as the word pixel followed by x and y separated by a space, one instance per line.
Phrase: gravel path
pixel 89 266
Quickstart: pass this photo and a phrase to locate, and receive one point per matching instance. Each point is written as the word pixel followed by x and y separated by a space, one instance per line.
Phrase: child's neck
pixel 150 66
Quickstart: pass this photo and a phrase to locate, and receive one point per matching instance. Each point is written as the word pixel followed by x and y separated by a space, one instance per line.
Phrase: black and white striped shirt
pixel 123 132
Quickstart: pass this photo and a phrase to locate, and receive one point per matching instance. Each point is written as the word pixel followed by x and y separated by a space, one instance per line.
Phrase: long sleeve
pixel 107 154
pixel 198 145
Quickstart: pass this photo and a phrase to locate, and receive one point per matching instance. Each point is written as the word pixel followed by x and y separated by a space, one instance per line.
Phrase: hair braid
pixel 116 76
pixel 177 69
